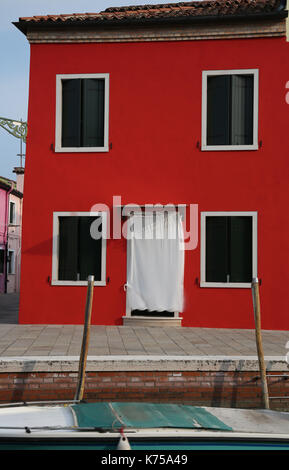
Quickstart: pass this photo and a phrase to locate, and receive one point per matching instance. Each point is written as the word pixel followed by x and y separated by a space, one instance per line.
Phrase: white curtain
pixel 155 262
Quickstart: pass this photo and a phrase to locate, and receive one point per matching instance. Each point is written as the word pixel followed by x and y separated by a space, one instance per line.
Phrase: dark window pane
pixel 230 109
pixel 1 261
pixel 241 249
pixel 93 113
pixel 218 110
pixel 71 113
pixel 83 113
pixel 11 213
pixel 216 249
pixel 229 249
pixel 79 253
pixel 148 313
pixel 10 262
pixel 89 251
pixel 68 249
pixel 242 110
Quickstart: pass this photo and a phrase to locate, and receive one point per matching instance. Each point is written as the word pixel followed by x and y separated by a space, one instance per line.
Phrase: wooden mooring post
pixel 262 366
pixel 85 340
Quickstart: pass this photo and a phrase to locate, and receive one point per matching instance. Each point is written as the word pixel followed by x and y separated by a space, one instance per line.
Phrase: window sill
pixel 227 285
pixel 81 149
pixel 76 283
pixel 228 148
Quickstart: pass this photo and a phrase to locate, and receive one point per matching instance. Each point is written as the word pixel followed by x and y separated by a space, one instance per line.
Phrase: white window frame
pixel 12 262
pixel 205 75
pixel 254 216
pixel 55 248
pixel 14 212
pixel 58 121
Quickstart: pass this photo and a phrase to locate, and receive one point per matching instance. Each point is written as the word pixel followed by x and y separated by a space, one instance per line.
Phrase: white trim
pixel 205 74
pixel 246 285
pixel 55 248
pixel 58 120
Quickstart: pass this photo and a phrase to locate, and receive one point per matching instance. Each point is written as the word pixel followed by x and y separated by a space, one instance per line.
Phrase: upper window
pixel 230 110
pixel 228 249
pixel 76 253
pixel 82 113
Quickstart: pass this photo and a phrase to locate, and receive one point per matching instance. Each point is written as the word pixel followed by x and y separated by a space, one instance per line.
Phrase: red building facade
pixel 181 104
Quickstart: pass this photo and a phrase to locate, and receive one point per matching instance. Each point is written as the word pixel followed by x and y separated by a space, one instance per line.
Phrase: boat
pixel 133 426
pixel 142 426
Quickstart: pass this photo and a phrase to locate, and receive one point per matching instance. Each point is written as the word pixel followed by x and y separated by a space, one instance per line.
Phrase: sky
pixel 14 61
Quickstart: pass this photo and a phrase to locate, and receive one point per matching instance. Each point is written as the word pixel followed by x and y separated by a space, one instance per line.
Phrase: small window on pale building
pixel 11 262
pixel 2 261
pixel 12 213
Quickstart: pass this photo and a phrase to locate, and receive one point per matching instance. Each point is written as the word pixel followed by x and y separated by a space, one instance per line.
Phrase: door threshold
pixel 151 321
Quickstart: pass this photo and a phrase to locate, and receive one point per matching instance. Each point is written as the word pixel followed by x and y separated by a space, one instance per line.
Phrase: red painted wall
pixel 154 127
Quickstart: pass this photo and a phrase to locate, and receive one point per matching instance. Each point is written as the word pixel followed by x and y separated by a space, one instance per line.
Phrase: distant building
pixel 11 199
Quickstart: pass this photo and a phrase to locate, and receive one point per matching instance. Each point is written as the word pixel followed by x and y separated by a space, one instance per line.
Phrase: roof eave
pixel 7 187
pixel 278 14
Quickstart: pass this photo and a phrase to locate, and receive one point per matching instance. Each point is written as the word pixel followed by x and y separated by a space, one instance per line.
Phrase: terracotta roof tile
pixel 207 8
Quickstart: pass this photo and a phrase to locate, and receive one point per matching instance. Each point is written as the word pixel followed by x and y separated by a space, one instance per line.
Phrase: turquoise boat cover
pixel 109 415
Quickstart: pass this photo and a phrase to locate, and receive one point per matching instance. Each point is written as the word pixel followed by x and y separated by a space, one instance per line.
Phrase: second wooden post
pixel 262 366
pixel 85 340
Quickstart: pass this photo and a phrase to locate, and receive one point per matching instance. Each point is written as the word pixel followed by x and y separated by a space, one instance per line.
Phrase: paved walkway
pixel 65 340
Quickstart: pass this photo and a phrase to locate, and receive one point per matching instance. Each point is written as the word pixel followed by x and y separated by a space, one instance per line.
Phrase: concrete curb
pixel 141 363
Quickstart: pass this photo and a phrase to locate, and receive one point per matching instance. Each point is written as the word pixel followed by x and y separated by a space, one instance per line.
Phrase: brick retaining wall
pixel 239 389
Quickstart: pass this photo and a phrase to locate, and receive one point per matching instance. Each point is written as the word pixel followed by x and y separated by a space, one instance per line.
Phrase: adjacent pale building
pixel 11 199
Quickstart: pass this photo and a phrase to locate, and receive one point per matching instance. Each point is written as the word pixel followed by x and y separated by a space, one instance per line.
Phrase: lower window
pixel 2 258
pixel 228 249
pixel 11 262
pixel 76 253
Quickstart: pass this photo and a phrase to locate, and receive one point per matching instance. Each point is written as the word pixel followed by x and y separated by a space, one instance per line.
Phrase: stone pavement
pixel 65 340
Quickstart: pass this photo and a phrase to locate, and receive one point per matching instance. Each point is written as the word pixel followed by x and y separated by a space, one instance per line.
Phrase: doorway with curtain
pixel 155 266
